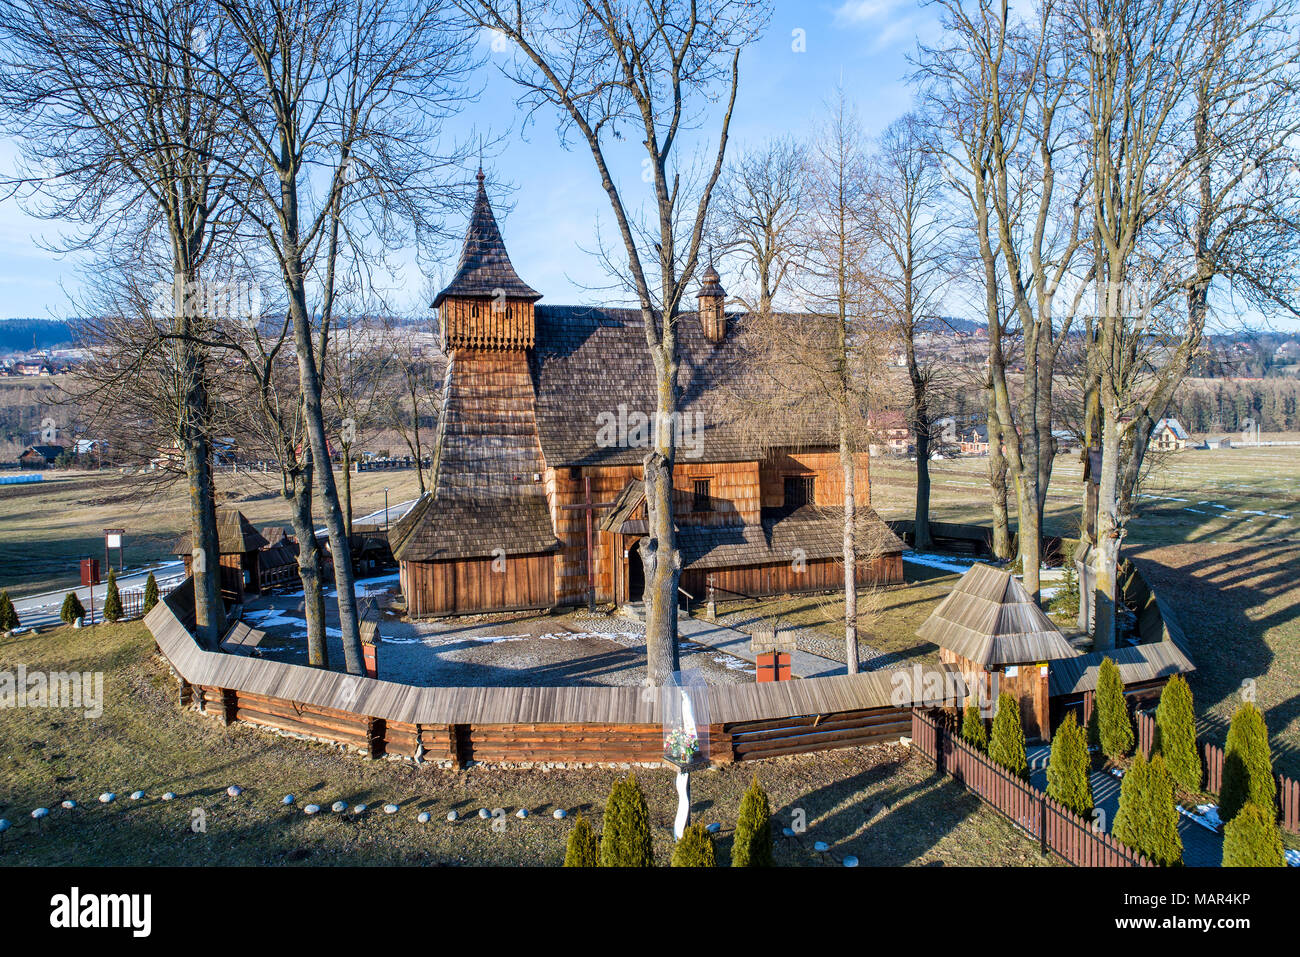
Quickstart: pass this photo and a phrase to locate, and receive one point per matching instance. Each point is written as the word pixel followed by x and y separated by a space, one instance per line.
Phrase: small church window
pixel 703 501
pixel 798 490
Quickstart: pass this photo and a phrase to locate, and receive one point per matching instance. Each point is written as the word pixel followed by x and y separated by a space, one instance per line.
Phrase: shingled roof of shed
pixel 235 535
pixel 485 268
pixel 990 619
pixel 589 360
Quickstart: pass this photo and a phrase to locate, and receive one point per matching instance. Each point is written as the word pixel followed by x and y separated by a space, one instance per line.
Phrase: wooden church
pixel 536 497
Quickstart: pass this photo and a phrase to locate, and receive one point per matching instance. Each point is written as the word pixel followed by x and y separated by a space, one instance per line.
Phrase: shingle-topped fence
pixel 591 724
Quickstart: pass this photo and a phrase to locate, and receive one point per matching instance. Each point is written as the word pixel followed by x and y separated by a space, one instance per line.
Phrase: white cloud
pixel 868 11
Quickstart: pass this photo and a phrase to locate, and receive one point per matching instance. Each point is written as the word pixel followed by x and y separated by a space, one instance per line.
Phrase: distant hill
pixel 25 335
pixel 949 324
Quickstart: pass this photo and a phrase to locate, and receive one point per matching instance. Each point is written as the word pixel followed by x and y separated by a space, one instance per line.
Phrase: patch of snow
pixel 941 562
pixel 1206 815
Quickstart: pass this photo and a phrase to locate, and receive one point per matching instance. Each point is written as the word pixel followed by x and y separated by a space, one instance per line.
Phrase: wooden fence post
pixel 1042 826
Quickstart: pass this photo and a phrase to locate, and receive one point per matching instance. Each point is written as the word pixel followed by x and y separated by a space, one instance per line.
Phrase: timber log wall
pixel 598 725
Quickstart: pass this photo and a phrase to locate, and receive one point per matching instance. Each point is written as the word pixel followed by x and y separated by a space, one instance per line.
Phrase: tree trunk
pixel 998 485
pixel 1108 535
pixel 209 609
pixel 313 595
pixel 847 466
pixel 663 566
pixel 923 539
pixel 347 489
pixel 340 547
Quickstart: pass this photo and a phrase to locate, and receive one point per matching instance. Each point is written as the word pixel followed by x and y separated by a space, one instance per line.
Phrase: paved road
pixel 43 609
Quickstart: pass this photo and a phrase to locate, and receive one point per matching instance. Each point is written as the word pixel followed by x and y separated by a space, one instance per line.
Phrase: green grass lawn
pixel 48 527
pixel 1239 605
pixel 1244 494
pixel 879 804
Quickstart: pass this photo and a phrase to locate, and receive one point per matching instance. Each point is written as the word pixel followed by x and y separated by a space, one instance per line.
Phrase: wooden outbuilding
pixel 240 544
pixel 546 418
pixel 992 631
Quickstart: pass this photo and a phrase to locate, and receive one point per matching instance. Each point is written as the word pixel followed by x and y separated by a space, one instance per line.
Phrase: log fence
pixel 572 725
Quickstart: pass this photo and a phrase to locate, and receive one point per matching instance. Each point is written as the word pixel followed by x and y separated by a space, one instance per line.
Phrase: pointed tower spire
pixel 486 305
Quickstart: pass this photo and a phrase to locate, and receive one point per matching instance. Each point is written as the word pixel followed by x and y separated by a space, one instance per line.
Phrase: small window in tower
pixel 703 500
pixel 799 490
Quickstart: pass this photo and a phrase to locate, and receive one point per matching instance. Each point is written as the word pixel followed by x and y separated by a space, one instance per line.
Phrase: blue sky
pixel 549 199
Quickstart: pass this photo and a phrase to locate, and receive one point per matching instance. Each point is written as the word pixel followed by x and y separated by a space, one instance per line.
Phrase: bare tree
pixel 340 118
pixel 119 133
pixel 412 392
pixel 911 232
pixel 832 340
pixel 651 67
pixel 1017 76
pixel 757 212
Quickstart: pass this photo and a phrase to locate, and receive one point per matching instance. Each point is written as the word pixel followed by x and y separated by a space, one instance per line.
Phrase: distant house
pixel 40 456
pixel 975 440
pixel 1169 436
pixel 890 434
pixel 1288 351
pixel 944 431
pixel 33 367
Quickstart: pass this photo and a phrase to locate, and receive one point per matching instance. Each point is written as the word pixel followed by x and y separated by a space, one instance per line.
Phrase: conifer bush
pixel 752 845
pixel 1094 728
pixel 112 599
pixel 1007 743
pixel 8 613
pixel 972 728
pixel 625 839
pixel 1247 765
pixel 583 850
pixel 1176 733
pixel 695 849
pixel 72 609
pixel 150 593
pixel 1253 839
pixel 1114 724
pixel 1067 769
pixel 1147 820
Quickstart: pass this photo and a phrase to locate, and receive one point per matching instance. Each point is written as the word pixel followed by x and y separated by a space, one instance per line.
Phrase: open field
pixel 1224 495
pixel 1239 606
pixel 47 527
pixel 875 803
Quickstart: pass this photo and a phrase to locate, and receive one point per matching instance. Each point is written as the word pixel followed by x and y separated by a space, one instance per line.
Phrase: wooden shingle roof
pixel 487 489
pixel 1137 663
pixel 588 361
pixel 235 534
pixel 816 532
pixel 990 619
pixel 485 270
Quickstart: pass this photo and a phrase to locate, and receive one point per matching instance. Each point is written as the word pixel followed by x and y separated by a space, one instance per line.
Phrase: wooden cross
pixel 590 508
